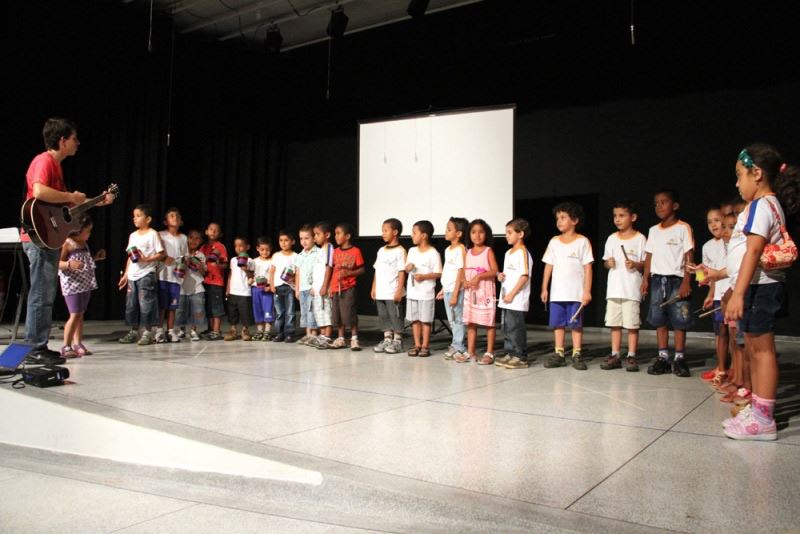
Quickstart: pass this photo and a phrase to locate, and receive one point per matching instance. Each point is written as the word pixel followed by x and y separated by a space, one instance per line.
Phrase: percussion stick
pixel 572 319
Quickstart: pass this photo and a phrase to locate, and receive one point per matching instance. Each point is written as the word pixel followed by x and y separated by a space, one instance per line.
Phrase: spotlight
pixel 417 8
pixel 337 24
pixel 273 40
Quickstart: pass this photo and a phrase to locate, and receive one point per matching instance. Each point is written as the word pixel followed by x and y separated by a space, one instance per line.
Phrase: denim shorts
pixel 761 303
pixel 306 314
pixel 677 315
pixel 192 310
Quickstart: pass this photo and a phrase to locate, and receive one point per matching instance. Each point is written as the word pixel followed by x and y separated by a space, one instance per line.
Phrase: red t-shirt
pixel 215 274
pixel 46 171
pixel 348 258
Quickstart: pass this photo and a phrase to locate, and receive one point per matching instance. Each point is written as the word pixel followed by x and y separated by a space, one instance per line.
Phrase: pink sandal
pixel 81 350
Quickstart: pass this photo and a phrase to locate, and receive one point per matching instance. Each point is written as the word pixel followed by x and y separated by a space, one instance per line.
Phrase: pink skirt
pixel 480 305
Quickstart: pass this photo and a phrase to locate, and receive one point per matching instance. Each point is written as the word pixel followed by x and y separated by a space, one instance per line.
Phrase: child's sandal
pixel 462 357
pixel 718 380
pixel 487 359
pixel 424 352
pixel 414 351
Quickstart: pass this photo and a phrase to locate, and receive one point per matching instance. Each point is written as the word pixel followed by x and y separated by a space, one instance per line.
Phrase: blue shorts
pixel 719 319
pixel 263 310
pixel 562 312
pixel 677 315
pixel 169 295
pixel 761 303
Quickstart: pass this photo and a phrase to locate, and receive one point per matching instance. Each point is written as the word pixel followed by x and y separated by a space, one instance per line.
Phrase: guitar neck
pixel 86 206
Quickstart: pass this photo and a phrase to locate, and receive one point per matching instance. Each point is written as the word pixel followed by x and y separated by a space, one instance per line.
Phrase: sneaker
pixel 43 357
pixel 631 365
pixel 267 336
pixel 612 362
pixel 279 338
pixel 130 337
pixel 291 339
pixel 323 343
pixel 659 367
pixel 381 347
pixel 354 346
pixel 173 337
pixel 81 350
pixel 679 368
pixel 729 421
pixel 303 340
pixel 232 335
pixel 745 426
pixel 394 347
pixel 449 353
pixel 515 363
pixel 556 360
pixel 577 362
pixel 160 337
pixel 258 336
pixel 194 336
pixel 67 352
pixel 338 343
pixel 181 333
pixel 501 361
pixel 246 334
pixel 214 336
pixel 146 339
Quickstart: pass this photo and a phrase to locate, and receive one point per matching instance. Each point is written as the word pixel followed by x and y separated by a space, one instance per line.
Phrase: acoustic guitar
pixel 48 225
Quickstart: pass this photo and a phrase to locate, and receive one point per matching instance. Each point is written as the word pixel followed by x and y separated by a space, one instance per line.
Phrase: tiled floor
pixel 409 445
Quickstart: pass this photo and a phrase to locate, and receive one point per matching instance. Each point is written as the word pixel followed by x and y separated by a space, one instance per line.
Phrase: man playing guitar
pixel 45 181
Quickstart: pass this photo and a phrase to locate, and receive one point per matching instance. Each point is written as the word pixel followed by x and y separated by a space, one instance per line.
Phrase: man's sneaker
pixel 612 362
pixel 338 343
pixel 631 365
pixel 556 360
pixel 246 334
pixel 173 337
pixel 679 368
pixel 146 339
pixel 501 361
pixel 130 337
pixel 193 336
pixel 515 363
pixel 381 347
pixel 577 362
pixel 395 347
pixel 354 346
pixel 214 336
pixel 232 335
pixel 659 367
pixel 745 426
pixel 160 337
pixel 41 357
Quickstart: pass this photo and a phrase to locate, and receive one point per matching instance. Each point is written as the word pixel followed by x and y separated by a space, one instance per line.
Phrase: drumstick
pixel 666 303
pixel 709 312
pixel 572 319
pixel 624 253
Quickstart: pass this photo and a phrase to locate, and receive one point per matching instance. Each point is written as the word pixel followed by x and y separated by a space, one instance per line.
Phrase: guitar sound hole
pixel 67 215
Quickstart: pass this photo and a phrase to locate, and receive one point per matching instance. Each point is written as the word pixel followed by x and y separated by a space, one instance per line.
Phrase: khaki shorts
pixel 623 313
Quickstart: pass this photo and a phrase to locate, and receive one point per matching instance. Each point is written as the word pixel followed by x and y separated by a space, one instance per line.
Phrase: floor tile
pixel 702 484
pixel 531 458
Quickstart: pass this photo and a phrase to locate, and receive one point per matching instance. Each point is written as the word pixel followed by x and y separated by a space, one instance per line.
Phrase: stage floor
pixel 407 444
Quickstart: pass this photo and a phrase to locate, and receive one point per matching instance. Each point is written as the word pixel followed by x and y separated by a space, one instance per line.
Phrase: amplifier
pixel 45 376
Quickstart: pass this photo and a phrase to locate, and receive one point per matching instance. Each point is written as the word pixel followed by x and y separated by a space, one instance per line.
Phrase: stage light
pixel 417 8
pixel 337 24
pixel 273 40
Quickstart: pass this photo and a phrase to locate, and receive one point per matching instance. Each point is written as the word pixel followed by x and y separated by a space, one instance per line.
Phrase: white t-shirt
pixel 388 264
pixel 261 268
pixel 715 256
pixel 567 259
pixel 624 283
pixel 516 264
pixel 668 248
pixel 305 263
pixel 323 260
pixel 148 245
pixel 759 219
pixel 282 262
pixel 424 263
pixel 176 247
pixel 238 278
pixel 453 262
pixel 193 281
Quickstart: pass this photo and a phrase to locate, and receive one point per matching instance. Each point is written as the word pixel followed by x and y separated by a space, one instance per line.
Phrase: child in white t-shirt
pixel 261 290
pixel 670 249
pixel 169 284
pixel 144 252
pixel 283 280
pixel 192 308
pixel 320 285
pixel 624 258
pixel 305 269
pixel 240 300
pixel 714 256
pixel 515 296
pixel 452 292
pixel 424 266
pixel 568 260
pixel 388 286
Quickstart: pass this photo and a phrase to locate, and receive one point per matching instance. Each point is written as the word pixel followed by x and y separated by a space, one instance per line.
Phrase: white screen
pixel 437 166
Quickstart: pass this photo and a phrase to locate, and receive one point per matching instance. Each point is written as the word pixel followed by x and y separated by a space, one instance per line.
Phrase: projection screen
pixel 435 166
